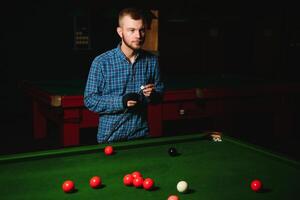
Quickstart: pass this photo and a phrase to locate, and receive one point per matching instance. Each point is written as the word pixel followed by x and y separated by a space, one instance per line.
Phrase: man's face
pixel 132 32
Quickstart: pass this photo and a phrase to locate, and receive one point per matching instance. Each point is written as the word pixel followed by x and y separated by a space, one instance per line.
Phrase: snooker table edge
pixel 94 148
pixel 263 150
pixel 139 143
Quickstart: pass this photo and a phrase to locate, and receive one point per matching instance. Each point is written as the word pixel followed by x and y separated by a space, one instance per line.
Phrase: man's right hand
pixel 130 100
pixel 131 103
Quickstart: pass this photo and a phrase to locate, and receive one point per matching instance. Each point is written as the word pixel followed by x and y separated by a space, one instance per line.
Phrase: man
pixel 122 81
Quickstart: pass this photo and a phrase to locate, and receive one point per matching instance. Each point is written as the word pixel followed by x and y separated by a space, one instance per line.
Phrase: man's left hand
pixel 148 89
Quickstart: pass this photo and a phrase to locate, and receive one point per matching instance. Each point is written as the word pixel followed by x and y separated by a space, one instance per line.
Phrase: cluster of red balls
pixel 69 186
pixel 136 179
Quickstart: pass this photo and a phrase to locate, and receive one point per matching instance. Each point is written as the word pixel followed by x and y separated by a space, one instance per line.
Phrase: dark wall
pixel 208 37
pixel 219 37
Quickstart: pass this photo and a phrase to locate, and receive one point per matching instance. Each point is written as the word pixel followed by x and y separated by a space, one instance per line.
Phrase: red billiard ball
pixel 108 150
pixel 256 185
pixel 148 184
pixel 138 182
pixel 136 174
pixel 128 179
pixel 173 197
pixel 95 182
pixel 68 186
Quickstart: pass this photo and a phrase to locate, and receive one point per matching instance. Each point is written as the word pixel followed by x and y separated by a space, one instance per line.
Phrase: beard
pixel 132 47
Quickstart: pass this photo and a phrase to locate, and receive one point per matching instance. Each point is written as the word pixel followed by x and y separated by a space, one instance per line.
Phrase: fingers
pixel 148 89
pixel 149 86
pixel 147 93
pixel 131 103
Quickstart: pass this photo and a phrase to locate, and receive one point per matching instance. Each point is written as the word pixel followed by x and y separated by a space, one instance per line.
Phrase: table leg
pixel 70 134
pixel 39 122
pixel 155 120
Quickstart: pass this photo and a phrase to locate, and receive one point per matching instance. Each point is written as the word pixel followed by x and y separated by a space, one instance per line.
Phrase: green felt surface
pixel 213 170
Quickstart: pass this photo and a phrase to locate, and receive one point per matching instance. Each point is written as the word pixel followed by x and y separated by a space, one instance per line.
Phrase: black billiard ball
pixel 172 151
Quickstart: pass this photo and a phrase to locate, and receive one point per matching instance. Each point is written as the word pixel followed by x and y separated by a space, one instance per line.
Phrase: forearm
pixel 103 104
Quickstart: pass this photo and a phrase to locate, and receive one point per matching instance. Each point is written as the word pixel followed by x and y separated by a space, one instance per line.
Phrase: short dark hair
pixel 134 13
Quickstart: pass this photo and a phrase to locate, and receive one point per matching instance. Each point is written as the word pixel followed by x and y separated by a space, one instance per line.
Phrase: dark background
pixel 256 39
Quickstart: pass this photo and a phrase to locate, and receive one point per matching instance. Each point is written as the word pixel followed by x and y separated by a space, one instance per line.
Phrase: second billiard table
pixel 61 101
pixel 213 170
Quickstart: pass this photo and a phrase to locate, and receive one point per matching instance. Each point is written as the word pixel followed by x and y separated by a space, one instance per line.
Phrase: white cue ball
pixel 182 186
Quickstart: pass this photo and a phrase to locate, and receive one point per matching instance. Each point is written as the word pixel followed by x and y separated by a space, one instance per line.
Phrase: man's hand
pixel 130 100
pixel 131 103
pixel 148 89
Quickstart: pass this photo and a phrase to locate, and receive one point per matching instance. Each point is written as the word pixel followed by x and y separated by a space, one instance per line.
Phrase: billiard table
pixel 213 170
pixel 191 98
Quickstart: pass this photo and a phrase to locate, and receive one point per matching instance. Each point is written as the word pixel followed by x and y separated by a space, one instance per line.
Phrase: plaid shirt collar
pixel 122 55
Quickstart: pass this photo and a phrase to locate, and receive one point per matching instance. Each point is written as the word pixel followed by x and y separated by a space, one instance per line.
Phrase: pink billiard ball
pixel 95 182
pixel 256 185
pixel 68 186
pixel 173 197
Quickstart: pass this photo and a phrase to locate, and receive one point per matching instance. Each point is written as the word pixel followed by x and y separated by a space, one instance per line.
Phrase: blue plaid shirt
pixel 111 76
